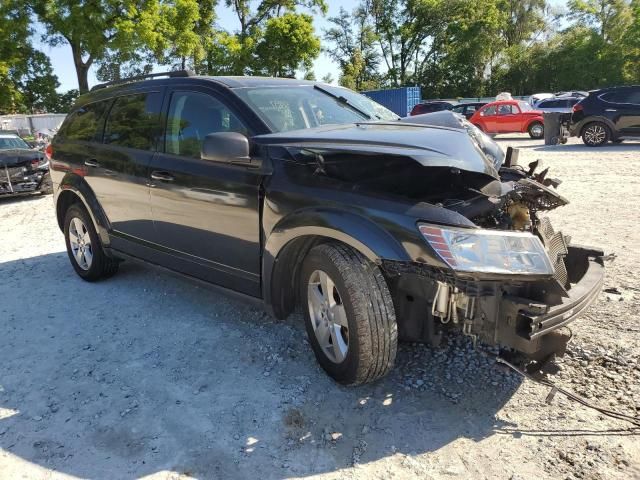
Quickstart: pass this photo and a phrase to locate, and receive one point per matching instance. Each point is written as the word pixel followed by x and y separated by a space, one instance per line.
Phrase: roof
pixel 240 82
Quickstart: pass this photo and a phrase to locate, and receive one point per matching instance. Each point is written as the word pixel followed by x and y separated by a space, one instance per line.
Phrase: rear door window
pixel 86 123
pixel 134 121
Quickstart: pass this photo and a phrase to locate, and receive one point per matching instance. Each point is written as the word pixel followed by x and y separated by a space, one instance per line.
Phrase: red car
pixel 509 116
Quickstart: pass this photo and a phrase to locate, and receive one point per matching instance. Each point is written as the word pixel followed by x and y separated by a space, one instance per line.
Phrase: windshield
pixel 8 142
pixel 296 108
pixel 524 106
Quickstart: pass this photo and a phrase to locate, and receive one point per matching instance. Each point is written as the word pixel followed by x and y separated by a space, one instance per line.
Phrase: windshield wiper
pixel 344 101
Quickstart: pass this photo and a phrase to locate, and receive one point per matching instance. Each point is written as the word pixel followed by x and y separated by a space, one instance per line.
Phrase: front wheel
pixel 536 130
pixel 349 314
pixel 84 248
pixel 595 134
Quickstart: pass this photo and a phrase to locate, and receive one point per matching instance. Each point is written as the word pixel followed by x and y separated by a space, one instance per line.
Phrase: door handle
pixel 162 176
pixel 611 110
pixel 91 163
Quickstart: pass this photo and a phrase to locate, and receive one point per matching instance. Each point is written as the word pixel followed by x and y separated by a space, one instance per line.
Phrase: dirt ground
pixel 148 375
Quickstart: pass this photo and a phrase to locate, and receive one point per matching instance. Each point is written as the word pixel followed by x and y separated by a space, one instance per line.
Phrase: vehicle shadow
pixel 147 372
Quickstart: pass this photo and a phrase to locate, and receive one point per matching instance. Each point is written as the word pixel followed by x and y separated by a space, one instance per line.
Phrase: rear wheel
pixel 349 314
pixel 84 248
pixel 536 130
pixel 595 134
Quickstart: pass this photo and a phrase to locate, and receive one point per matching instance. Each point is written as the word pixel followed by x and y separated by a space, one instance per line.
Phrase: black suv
pixel 294 193
pixel 607 114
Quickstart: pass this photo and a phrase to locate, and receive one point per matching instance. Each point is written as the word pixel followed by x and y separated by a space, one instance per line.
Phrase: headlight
pixel 488 251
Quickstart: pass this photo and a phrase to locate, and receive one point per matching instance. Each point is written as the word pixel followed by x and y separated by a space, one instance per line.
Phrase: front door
pixel 205 213
pixel 508 119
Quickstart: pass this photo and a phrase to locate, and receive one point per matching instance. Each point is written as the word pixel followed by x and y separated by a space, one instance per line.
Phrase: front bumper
pixel 527 325
pixel 17 180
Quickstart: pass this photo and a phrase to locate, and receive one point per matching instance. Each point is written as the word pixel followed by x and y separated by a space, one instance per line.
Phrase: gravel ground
pixel 150 375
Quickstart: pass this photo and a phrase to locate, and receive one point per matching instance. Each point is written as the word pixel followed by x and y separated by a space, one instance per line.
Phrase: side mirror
pixel 226 147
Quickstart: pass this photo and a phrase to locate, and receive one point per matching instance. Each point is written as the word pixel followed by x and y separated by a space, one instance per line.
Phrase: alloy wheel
pixel 80 242
pixel 595 134
pixel 328 316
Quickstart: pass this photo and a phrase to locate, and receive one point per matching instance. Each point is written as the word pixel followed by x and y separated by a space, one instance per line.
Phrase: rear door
pixel 118 170
pixel 623 108
pixel 206 213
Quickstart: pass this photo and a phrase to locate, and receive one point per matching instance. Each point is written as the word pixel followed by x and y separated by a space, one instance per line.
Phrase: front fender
pixel 349 228
pixel 77 185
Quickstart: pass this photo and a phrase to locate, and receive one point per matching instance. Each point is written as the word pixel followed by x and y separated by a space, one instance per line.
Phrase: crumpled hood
pixel 430 146
pixel 18 156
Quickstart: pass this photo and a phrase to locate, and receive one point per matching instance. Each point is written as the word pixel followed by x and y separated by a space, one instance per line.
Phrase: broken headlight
pixel 488 251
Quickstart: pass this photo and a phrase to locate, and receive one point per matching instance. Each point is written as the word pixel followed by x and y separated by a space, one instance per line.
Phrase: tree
pixel 97 30
pixel 352 44
pixel 328 78
pixel 237 51
pixel 27 82
pixel 288 43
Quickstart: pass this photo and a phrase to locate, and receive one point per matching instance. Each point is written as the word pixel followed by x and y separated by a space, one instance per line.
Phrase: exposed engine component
pixel 520 216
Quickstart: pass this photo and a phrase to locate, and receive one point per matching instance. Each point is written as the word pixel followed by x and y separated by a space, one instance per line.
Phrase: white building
pixel 29 124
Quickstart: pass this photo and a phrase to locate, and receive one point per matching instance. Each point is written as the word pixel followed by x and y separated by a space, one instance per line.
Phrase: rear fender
pixel 531 122
pixel 74 184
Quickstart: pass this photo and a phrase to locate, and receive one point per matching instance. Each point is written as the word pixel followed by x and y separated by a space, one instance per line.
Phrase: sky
pixel 63 67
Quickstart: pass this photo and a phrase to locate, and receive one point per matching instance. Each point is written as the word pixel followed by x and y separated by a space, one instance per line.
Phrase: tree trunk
pixel 82 68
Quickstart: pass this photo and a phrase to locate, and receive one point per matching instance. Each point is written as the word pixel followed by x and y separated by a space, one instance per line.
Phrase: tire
pixel 595 134
pixel 96 264
pixel 536 130
pixel 46 187
pixel 360 311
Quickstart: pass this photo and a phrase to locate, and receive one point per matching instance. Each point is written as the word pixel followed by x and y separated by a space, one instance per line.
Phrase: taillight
pixel 577 108
pixel 48 152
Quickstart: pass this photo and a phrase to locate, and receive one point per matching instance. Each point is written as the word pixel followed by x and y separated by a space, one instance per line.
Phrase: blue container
pixel 399 100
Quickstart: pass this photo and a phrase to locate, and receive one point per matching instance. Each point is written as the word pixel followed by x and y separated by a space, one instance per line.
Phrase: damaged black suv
pixel 295 193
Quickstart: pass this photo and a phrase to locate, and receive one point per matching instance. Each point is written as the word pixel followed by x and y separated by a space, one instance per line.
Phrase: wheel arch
pixel 294 236
pixel 74 189
pixel 596 119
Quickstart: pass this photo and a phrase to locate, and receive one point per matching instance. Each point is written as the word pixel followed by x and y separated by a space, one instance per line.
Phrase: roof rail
pixel 173 74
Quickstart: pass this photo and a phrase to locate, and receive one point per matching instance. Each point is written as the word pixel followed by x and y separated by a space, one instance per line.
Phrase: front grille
pixel 556 245
pixel 539 197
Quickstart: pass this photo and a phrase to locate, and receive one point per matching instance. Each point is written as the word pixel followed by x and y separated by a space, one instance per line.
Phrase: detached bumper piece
pixel 18 180
pixel 531 326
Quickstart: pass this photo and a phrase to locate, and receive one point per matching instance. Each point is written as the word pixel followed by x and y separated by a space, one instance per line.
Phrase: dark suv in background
pixel 609 114
pixel 292 193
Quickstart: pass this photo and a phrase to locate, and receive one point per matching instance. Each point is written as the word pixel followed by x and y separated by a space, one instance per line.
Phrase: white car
pixel 535 98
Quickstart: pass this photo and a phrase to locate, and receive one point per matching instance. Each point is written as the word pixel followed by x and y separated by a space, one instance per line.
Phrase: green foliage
pixel 288 43
pixel 117 31
pixel 352 44
pixel 27 82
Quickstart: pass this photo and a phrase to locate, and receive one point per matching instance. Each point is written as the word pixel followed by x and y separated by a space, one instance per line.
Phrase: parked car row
pixel 599 116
